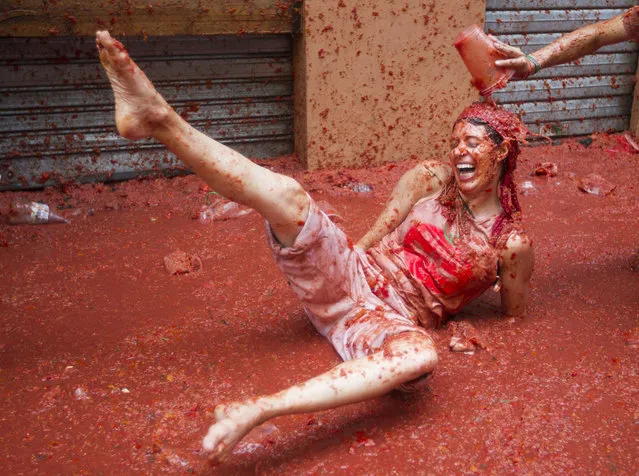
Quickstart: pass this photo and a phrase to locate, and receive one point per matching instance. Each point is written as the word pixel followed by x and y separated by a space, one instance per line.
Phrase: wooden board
pixel 29 18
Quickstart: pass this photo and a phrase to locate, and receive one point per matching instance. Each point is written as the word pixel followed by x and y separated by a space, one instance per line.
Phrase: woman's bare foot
pixel 232 423
pixel 139 108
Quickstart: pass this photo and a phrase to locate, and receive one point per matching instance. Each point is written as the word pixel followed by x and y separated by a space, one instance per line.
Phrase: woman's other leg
pixel 140 112
pixel 404 358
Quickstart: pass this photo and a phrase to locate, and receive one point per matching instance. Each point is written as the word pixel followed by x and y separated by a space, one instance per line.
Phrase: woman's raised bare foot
pixel 139 108
pixel 232 423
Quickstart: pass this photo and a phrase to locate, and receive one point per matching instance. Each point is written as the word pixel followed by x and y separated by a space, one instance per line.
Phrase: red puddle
pixel 109 364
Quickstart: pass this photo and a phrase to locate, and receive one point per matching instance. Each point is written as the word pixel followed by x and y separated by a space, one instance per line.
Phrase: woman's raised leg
pixel 405 357
pixel 140 112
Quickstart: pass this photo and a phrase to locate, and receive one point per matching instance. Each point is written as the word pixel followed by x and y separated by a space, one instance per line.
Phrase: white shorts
pixel 333 280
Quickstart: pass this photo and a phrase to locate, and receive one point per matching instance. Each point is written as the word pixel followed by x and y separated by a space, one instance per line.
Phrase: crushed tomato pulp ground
pixel 109 363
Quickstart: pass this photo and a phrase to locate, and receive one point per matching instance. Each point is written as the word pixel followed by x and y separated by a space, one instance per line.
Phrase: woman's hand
pixel 516 59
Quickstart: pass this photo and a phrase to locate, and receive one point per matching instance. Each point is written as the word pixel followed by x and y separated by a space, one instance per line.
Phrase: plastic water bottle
pixel 33 213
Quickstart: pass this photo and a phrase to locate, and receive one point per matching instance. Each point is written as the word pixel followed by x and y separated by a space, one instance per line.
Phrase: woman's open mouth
pixel 465 171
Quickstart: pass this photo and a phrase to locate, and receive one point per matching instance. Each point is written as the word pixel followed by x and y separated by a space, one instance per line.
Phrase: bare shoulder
pixel 432 176
pixel 435 169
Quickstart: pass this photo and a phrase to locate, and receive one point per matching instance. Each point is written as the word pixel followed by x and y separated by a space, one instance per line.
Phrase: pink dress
pixel 435 274
pixel 412 280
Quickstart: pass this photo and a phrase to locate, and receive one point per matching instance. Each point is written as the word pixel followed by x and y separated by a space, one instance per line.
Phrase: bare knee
pixel 414 351
pixel 287 210
pixel 426 360
pixel 293 200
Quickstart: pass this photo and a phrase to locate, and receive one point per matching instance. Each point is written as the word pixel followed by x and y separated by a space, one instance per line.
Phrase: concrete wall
pixel 379 81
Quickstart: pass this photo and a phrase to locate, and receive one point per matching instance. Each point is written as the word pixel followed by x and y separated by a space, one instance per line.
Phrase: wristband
pixel 534 62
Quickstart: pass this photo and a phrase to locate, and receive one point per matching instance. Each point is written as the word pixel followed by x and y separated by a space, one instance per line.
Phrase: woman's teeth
pixel 465 169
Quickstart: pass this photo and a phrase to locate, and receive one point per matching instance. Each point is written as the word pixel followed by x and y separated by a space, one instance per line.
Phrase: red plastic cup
pixel 479 55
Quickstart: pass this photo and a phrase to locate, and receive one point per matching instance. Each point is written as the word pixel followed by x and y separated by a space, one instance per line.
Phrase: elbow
pixel 596 43
pixel 513 304
pixel 514 308
pixel 514 312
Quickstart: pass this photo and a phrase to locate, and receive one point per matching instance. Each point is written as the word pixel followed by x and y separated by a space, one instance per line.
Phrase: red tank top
pixel 434 261
pixel 435 272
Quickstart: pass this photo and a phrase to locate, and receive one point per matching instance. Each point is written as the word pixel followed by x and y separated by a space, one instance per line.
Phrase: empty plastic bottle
pixel 24 212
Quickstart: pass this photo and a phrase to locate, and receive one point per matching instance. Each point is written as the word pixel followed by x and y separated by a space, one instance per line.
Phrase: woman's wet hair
pixel 493 135
pixel 507 192
pixel 490 130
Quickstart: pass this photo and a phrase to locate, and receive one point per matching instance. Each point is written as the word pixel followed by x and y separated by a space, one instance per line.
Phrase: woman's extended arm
pixel 516 265
pixel 570 47
pixel 421 181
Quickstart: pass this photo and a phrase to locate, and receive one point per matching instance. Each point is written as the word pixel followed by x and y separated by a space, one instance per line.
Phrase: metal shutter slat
pixel 556 4
pixel 57 111
pixel 535 41
pixel 569 88
pixel 540 21
pixel 592 94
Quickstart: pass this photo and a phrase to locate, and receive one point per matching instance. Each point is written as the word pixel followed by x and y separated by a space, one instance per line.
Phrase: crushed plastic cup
pixel 595 185
pixel 33 213
pixel 461 344
pixel 479 55
pixel 359 187
pixel 465 337
pixel 222 210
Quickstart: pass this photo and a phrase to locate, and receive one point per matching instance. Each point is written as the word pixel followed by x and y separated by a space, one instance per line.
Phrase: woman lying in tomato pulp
pixel 448 233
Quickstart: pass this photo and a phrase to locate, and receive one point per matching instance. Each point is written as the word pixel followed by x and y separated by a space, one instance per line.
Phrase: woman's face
pixel 476 159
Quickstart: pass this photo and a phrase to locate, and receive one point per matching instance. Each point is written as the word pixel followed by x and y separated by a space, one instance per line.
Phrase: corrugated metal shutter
pixel 57 112
pixel 594 94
